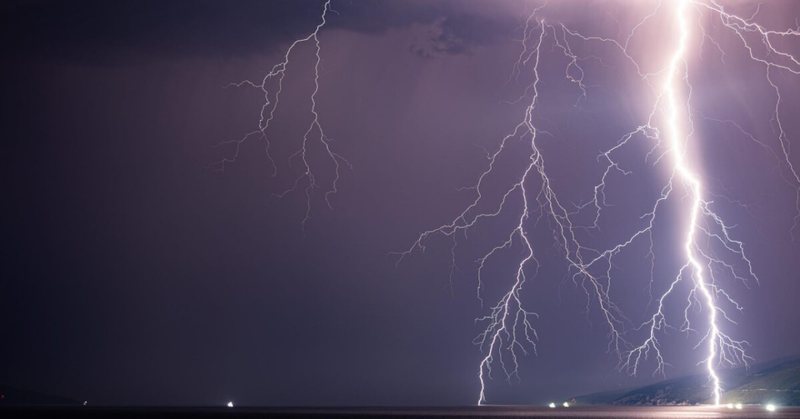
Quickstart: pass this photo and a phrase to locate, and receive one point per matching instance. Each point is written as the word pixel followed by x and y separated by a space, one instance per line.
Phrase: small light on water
pixel 551 405
pixel 771 407
pixel 730 405
pixel 230 404
pixel 738 406
pixel 565 404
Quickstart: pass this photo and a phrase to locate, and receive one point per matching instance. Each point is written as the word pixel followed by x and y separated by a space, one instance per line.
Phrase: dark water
pixel 467 412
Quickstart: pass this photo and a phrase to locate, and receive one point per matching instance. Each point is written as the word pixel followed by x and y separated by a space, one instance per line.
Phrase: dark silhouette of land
pixel 775 382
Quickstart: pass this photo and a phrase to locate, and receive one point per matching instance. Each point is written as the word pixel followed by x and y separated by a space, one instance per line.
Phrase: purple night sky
pixel 133 274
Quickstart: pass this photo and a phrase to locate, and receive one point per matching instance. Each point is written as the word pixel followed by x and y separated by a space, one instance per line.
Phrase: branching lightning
pixel 509 328
pixel 719 344
pixel 272 86
pixel 702 265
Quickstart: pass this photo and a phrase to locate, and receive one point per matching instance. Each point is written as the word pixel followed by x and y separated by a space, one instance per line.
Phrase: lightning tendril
pixel 272 87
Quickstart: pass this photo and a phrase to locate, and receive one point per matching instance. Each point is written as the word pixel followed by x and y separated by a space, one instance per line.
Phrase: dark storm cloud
pixel 454 27
pixel 457 34
pixel 97 31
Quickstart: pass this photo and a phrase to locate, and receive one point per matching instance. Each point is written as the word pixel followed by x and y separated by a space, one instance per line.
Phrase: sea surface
pixel 436 412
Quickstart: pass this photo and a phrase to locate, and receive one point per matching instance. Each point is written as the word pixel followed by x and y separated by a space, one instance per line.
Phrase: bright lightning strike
pixel 701 219
pixel 272 87
pixel 695 185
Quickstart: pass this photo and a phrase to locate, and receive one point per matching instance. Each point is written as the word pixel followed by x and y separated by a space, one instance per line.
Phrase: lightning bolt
pixel 509 331
pixel 701 218
pixel 717 341
pixel 271 85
